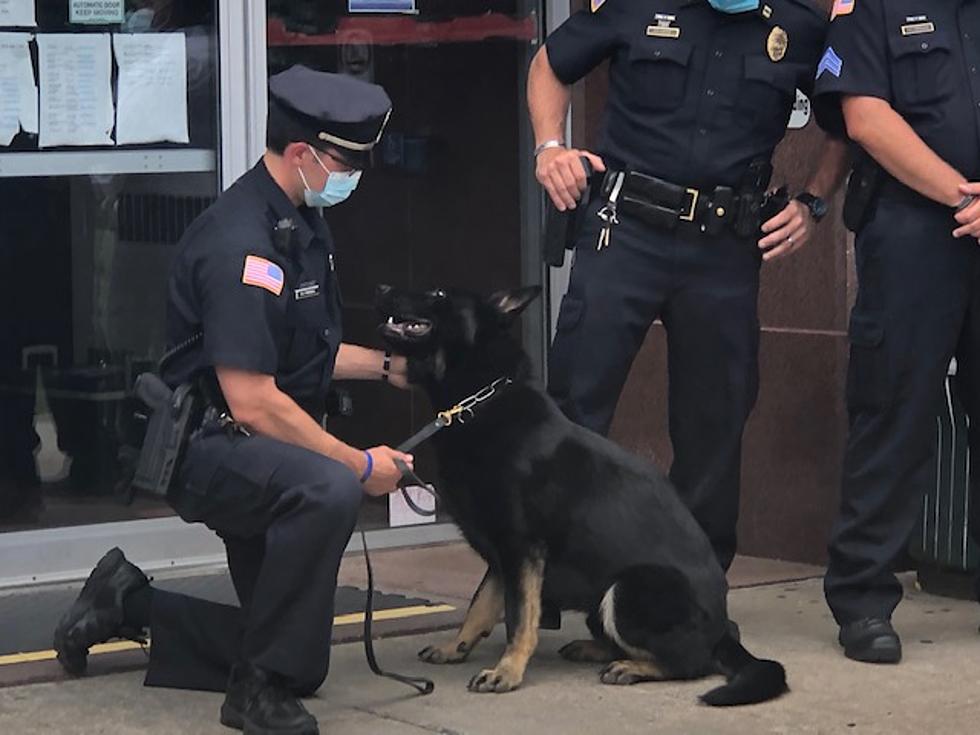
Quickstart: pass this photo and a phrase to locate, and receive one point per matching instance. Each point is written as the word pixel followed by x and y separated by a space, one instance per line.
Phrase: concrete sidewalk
pixel 935 690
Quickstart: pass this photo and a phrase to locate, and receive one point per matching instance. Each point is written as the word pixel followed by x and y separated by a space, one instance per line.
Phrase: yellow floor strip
pixel 396 613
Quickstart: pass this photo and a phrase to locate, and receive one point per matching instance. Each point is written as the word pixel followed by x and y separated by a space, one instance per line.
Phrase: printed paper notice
pixel 152 88
pixel 98 12
pixel 76 89
pixel 400 513
pixel 18 92
pixel 17 13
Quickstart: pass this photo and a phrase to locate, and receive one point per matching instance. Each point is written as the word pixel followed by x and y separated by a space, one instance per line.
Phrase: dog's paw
pixel 499 680
pixel 447 653
pixel 624 673
pixel 588 651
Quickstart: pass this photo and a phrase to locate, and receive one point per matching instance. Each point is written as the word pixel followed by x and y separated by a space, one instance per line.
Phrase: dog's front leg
pixel 522 630
pixel 482 616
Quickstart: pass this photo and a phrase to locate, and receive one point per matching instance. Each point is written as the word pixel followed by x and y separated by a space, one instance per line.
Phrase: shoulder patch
pixel 830 62
pixel 264 274
pixel 596 4
pixel 842 7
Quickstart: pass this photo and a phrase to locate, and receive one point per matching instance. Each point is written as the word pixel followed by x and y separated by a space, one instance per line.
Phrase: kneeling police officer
pixel 255 315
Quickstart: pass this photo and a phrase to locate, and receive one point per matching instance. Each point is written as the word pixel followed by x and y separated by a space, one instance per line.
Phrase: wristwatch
pixel 553 143
pixel 817 206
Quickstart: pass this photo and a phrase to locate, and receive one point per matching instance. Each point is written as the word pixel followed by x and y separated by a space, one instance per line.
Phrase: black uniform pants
pixel 705 290
pixel 918 305
pixel 285 515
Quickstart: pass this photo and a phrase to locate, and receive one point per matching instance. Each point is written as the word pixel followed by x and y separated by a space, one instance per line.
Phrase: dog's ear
pixel 509 304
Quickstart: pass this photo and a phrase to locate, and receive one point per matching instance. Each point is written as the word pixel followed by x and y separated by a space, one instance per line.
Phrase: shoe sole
pixel 873 655
pixel 234 719
pixel 72 656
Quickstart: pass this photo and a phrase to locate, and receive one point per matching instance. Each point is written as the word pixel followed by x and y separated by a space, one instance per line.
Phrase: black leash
pixel 461 412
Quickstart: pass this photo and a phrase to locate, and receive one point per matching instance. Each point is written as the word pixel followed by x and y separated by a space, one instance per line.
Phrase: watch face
pixel 819 207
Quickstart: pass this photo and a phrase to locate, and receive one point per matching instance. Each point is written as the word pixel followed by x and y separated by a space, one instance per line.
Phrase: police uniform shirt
pixel 695 95
pixel 266 303
pixel 920 56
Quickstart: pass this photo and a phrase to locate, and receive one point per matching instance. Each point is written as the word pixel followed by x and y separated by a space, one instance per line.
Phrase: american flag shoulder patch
pixel 264 274
pixel 842 7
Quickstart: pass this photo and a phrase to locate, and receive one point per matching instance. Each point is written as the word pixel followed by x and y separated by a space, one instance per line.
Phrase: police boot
pixel 97 614
pixel 259 704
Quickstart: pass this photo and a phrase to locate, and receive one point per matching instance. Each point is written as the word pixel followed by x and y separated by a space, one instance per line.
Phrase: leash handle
pixel 421 684
pixel 410 479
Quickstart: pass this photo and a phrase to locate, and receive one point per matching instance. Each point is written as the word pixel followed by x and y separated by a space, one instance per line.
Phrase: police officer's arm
pixel 558 170
pixel 792 228
pixel 255 400
pixel 574 49
pixel 890 140
pixel 361 363
pixel 854 94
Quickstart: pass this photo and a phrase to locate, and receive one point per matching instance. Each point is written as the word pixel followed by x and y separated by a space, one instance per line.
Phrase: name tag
pixel 307 291
pixel 663 32
pixel 915 29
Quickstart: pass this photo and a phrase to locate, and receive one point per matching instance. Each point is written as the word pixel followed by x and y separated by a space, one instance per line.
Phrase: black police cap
pixel 329 111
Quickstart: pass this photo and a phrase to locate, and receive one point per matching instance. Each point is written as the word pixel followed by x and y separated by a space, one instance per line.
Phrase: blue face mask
pixel 338 186
pixel 734 6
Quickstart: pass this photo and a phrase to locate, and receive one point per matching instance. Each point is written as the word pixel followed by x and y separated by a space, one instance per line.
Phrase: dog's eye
pixel 437 294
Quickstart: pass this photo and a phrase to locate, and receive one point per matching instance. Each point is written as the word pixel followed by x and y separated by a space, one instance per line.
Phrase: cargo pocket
pixel 868 381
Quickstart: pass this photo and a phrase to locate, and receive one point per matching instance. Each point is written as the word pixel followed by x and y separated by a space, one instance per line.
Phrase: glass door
pixel 116 151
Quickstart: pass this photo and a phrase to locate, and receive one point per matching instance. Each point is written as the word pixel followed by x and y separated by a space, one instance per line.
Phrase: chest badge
pixel 777 44
pixel 663 27
pixel 917 24
pixel 307 290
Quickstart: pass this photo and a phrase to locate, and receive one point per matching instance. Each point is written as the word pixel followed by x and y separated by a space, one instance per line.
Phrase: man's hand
pixel 385 475
pixel 562 174
pixel 787 232
pixel 969 218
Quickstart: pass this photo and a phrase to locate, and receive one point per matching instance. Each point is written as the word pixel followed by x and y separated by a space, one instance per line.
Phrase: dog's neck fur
pixel 502 357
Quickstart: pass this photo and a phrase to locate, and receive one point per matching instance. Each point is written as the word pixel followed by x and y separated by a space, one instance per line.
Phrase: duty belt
pixel 667 206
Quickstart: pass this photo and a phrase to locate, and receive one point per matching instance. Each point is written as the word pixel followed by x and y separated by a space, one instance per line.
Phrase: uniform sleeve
pixel 242 313
pixel 582 42
pixel 855 61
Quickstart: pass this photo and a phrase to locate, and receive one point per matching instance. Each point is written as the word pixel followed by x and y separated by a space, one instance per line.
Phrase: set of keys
pixel 608 213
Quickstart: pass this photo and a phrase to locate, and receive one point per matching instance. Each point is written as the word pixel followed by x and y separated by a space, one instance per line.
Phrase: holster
pixel 561 228
pixel 173 415
pixel 863 188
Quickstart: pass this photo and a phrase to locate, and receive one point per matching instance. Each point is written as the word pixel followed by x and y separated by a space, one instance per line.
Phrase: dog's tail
pixel 750 680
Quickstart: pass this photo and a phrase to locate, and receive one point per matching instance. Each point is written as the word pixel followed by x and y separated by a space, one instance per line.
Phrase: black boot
pixel 97 614
pixel 872 640
pixel 259 704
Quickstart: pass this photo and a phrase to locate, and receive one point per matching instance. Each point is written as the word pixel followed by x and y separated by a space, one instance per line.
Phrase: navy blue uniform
pixel 696 98
pixel 267 304
pixel 918 300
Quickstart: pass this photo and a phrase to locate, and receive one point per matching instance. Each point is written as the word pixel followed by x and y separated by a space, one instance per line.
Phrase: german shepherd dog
pixel 562 514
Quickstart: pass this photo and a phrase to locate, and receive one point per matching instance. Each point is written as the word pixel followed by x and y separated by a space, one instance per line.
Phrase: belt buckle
pixel 689 215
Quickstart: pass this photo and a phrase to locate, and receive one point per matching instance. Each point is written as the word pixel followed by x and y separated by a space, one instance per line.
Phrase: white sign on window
pixel 96 12
pixel 152 103
pixel 17 13
pixel 801 112
pixel 18 92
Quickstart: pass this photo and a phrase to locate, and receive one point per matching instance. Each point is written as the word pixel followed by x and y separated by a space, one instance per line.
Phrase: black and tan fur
pixel 563 514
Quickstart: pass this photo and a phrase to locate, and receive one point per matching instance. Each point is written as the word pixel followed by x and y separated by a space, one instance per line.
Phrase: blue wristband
pixel 369 468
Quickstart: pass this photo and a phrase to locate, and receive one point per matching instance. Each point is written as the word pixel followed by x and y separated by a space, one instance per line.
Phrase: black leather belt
pixel 666 205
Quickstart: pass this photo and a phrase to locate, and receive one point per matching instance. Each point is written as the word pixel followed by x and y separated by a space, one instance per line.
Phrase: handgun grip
pixel 152 391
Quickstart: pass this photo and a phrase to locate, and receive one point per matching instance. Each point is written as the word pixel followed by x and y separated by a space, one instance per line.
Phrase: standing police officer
pixel 700 94
pixel 254 310
pixel 902 77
